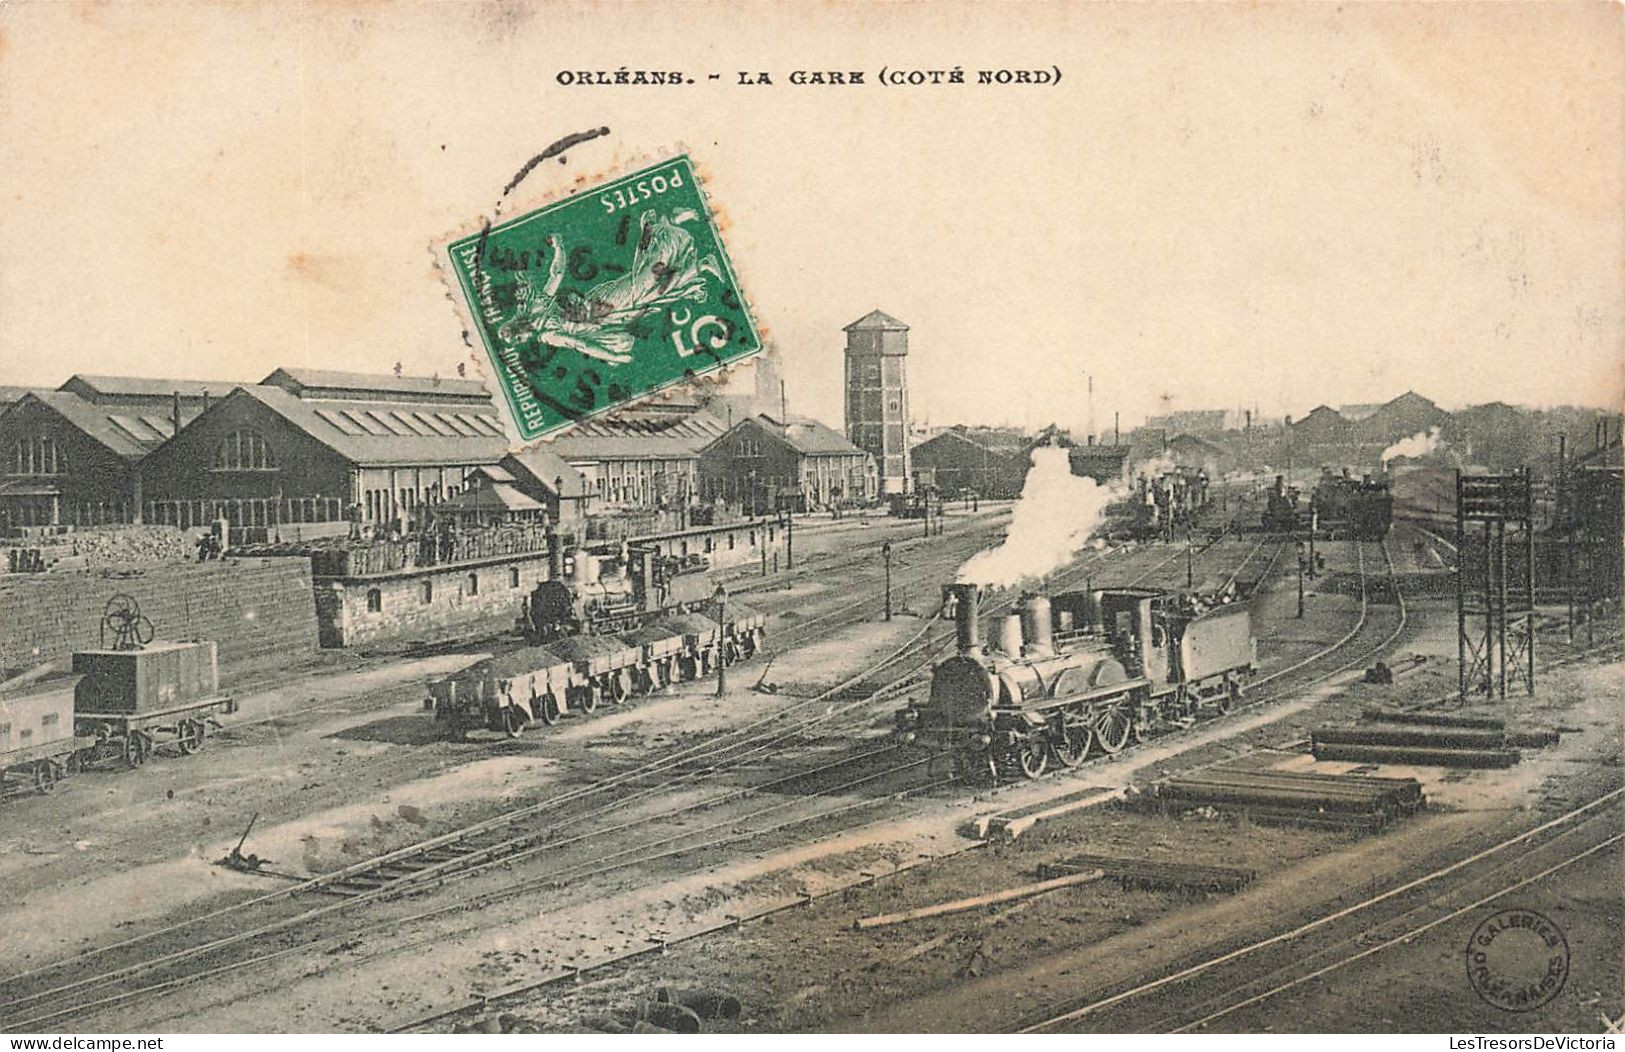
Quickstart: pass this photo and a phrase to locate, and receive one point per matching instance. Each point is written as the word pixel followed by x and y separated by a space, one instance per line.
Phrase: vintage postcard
pixel 769 519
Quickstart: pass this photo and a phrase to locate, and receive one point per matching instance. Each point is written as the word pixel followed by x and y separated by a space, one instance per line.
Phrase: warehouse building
pixel 72 456
pixel 646 457
pixel 547 478
pixel 764 465
pixel 313 452
pixel 990 462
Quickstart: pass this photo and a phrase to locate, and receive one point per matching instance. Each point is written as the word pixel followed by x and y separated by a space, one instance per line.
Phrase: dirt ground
pixel 1001 967
pixel 346 765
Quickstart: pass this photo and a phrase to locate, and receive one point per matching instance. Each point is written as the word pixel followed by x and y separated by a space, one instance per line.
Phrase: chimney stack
pixel 965 602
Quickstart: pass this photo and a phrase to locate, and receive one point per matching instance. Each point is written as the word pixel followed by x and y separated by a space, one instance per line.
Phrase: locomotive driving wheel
pixel 1032 756
pixel 1071 744
pixel 1113 729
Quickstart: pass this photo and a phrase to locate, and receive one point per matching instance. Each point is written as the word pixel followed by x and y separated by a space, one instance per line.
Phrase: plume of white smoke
pixel 1057 514
pixel 1419 444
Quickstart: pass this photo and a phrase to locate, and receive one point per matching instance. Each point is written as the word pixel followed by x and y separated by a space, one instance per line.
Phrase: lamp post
pixel 721 596
pixel 1300 579
pixel 885 553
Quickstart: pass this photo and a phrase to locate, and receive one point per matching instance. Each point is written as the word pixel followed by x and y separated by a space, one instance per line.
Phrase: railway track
pixel 1251 974
pixel 476 848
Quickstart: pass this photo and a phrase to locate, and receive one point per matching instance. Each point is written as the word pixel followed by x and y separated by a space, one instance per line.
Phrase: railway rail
pixel 418 865
pixel 475 848
pixel 1291 957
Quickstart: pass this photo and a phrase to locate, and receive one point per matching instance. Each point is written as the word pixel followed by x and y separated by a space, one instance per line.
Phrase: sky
pixel 1215 206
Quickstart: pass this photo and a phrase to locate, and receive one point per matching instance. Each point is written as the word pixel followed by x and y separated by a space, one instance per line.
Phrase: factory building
pixel 764 465
pixel 547 478
pixel 313 452
pixel 646 457
pixel 72 456
pixel 990 462
pixel 1400 417
pixel 877 396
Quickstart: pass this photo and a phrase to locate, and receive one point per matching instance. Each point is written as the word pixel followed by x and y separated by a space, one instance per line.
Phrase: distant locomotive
pixel 1157 504
pixel 599 633
pixel 1077 673
pixel 597 597
pixel 1362 509
pixel 1281 508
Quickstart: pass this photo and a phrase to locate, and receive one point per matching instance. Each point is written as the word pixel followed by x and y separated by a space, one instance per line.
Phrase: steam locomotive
pixel 1158 504
pixel 1281 508
pixel 601 630
pixel 1080 672
pixel 1347 507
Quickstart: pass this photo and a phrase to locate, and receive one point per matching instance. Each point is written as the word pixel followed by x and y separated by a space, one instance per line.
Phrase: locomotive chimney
pixel 964 599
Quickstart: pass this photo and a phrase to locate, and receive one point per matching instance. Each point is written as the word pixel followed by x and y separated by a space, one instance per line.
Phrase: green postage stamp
pixel 603 297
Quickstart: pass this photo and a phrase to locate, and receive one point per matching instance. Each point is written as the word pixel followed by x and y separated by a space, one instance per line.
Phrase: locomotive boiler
pixel 1067 676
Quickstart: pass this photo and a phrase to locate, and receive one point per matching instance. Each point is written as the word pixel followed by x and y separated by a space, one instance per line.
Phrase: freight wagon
pixel 131 701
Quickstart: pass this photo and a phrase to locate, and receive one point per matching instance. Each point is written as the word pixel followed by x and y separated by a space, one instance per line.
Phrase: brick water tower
pixel 877 395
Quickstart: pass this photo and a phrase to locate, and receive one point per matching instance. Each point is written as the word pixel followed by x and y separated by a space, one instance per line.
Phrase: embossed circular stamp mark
pixel 1517 960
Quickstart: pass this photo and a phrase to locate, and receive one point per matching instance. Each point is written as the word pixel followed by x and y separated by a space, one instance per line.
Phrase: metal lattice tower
pixel 1495 583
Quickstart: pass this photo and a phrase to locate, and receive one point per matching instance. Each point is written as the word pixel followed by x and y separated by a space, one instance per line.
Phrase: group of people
pixel 209 547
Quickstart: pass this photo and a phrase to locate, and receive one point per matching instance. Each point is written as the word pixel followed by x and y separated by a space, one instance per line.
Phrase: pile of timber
pixel 1150 873
pixel 1428 739
pixel 1334 801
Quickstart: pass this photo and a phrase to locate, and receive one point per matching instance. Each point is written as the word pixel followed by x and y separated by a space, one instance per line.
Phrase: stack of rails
pixel 1522 739
pixel 1427 739
pixel 1149 873
pixel 1337 801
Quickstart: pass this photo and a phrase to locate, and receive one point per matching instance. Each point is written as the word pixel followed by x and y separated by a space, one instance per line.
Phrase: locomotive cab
pixel 1135 625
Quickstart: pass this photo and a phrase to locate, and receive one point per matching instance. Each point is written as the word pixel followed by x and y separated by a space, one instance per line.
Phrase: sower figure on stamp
pixel 665 270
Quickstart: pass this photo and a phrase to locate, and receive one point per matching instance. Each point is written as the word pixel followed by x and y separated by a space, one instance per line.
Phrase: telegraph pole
pixel 721 596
